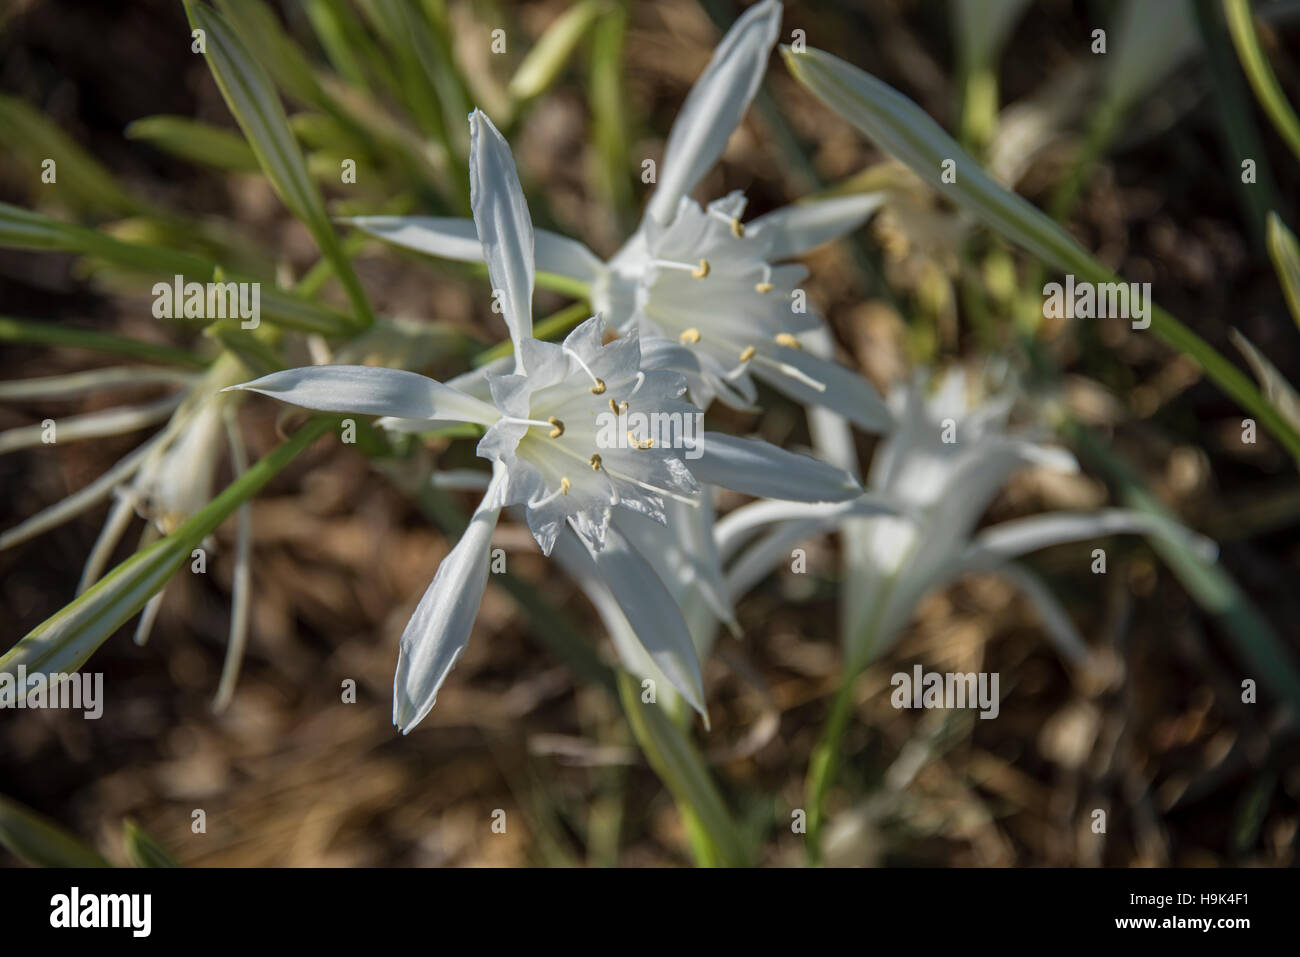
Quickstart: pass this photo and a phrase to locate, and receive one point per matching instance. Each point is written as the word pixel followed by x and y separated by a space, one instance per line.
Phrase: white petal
pixel 119 517
pixel 795 229
pixel 452 238
pixel 715 106
pixel 80 383
pixel 93 424
pixel 241 582
pixel 846 393
pixel 437 633
pixel 761 559
pixel 371 390
pixel 650 608
pixel 761 469
pixel 1060 629
pixel 504 225
pixel 731 531
pixel 86 498
pixel 1011 539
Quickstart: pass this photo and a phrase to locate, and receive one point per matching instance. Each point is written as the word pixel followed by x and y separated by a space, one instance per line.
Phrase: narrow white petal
pixel 241 584
pixel 731 531
pixel 147 618
pixel 846 392
pixel 504 225
pixel 84 498
pixel 93 424
pixel 81 383
pixel 1011 539
pixel 715 106
pixel 761 469
pixel 654 615
pixel 1060 629
pixel 371 390
pixel 451 238
pixel 761 559
pixel 795 229
pixel 119 517
pixel 437 633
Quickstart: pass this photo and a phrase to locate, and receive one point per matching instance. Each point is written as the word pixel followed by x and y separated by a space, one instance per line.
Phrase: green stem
pixel 28 332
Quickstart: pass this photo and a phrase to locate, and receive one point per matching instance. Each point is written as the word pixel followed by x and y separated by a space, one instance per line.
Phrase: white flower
pixel 165 481
pixel 543 425
pixel 699 277
pixel 942 465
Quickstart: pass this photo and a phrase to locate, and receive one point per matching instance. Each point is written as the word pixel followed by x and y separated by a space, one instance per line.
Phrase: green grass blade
pixel 253 101
pixel 1261 76
pixel 195 142
pixel 34 332
pixel 40 842
pixel 67 639
pixel 904 130
pixel 1285 253
pixel 143 849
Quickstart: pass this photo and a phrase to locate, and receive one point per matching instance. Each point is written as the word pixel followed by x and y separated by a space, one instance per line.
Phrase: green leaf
pixel 194 141
pixel 33 332
pixel 67 639
pixel 40 842
pixel 904 130
pixel 679 765
pixel 79 176
pixel 143 849
pixel 553 50
pixel 252 100
pixel 1261 76
pixel 1285 253
pixel 1275 386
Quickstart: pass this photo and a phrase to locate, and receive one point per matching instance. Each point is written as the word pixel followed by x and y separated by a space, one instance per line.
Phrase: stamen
pixel 747 354
pixel 565 485
pixel 613 406
pixel 764 286
pixel 559 427
pixel 599 387
pixel 690 336
pixel 549 424
pixel 787 340
pixel 594 461
pixel 793 373
pixel 640 381
pixel 699 272
pixel 640 443
pixel 737 227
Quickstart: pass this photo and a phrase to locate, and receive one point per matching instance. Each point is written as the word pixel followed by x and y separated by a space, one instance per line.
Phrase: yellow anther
pixel 763 288
pixel 594 462
pixel 738 229
pixel 702 271
pixel 787 340
pixel 691 336
pixel 613 406
pixel 640 443
pixel 565 485
pixel 598 388
pixel 559 427
pixel 747 354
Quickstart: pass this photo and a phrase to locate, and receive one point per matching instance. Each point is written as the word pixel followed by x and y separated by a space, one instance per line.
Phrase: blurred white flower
pixel 542 424
pixel 942 465
pixel 165 481
pixel 713 287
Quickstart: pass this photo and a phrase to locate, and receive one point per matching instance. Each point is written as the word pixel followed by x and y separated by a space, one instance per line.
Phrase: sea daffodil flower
pixel 699 276
pixel 545 436
pixel 942 464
